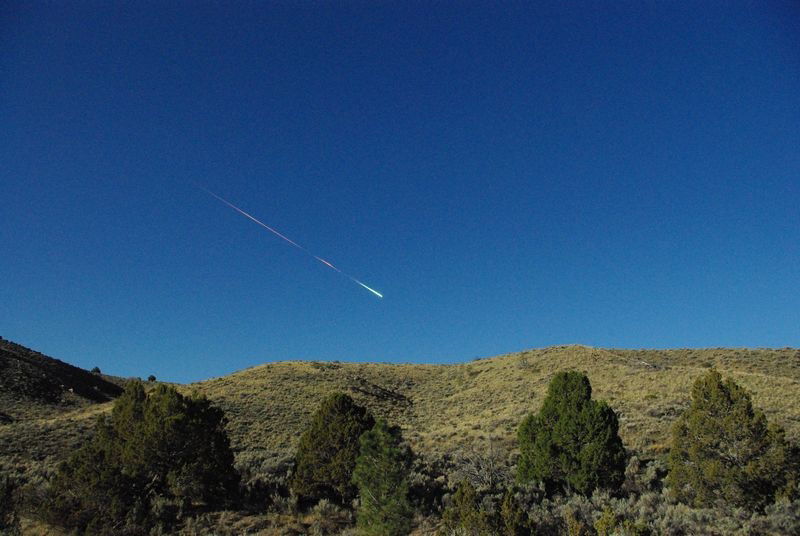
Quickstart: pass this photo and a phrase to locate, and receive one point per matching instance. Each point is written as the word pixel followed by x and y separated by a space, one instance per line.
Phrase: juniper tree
pixel 573 444
pixel 724 452
pixel 158 444
pixel 381 476
pixel 327 450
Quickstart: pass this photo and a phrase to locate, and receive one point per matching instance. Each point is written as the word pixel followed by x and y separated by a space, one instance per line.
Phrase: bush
pixel 151 378
pixel 573 444
pixel 724 452
pixel 465 516
pixel 514 521
pixel 327 450
pixel 162 445
pixel 9 523
pixel 381 475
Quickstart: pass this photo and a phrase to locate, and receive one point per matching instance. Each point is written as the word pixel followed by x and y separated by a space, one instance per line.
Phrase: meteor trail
pixel 289 240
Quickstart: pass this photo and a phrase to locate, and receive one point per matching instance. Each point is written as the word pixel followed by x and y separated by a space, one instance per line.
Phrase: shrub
pixel 724 452
pixel 327 450
pixel 162 445
pixel 9 523
pixel 484 466
pixel 514 522
pixel 573 444
pixel 381 475
pixel 464 516
pixel 96 370
pixel 151 378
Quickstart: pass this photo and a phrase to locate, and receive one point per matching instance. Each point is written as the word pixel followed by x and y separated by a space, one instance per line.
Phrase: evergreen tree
pixel 162 444
pixel 327 450
pixel 573 444
pixel 724 452
pixel 381 477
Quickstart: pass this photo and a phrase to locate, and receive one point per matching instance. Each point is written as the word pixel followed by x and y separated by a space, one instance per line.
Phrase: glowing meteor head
pixel 378 294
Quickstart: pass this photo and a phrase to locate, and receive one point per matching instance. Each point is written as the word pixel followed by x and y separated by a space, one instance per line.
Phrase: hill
pixel 40 393
pixel 440 407
pixel 445 407
pixel 28 377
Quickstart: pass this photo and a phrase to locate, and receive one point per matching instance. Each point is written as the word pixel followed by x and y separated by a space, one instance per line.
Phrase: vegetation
pixel 465 516
pixel 30 378
pixel 327 451
pixel 157 454
pixel 725 453
pixel 381 475
pixel 460 421
pixel 9 522
pixel 573 444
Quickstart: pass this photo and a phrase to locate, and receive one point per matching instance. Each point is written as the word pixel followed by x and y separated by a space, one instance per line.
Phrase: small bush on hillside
pixel 573 444
pixel 327 450
pixel 9 522
pixel 464 516
pixel 158 449
pixel 513 519
pixel 483 465
pixel 427 486
pixel 381 475
pixel 725 453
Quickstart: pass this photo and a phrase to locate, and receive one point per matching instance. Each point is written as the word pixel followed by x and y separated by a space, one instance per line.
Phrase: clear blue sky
pixel 609 173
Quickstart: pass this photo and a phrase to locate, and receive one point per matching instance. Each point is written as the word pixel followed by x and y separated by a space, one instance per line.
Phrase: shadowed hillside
pixel 45 404
pixel 25 373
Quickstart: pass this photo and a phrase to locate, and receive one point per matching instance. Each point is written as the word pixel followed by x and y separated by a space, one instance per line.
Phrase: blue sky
pixel 508 176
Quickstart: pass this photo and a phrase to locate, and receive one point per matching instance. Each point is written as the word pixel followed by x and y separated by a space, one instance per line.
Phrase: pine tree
pixel 380 474
pixel 327 450
pixel 573 444
pixel 724 452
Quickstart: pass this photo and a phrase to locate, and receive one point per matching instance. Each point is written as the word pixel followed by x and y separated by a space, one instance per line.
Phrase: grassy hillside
pixel 443 407
pixel 29 378
pixel 440 407
pixel 47 406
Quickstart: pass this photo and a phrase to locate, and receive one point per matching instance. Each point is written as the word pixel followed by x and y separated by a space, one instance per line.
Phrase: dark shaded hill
pixel 31 376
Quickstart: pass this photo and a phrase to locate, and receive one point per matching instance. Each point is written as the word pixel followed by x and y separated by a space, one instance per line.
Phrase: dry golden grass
pixel 444 407
pixel 441 408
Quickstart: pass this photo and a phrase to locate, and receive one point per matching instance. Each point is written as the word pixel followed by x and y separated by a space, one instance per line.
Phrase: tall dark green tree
pixel 161 444
pixel 724 452
pixel 381 475
pixel 327 450
pixel 573 444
